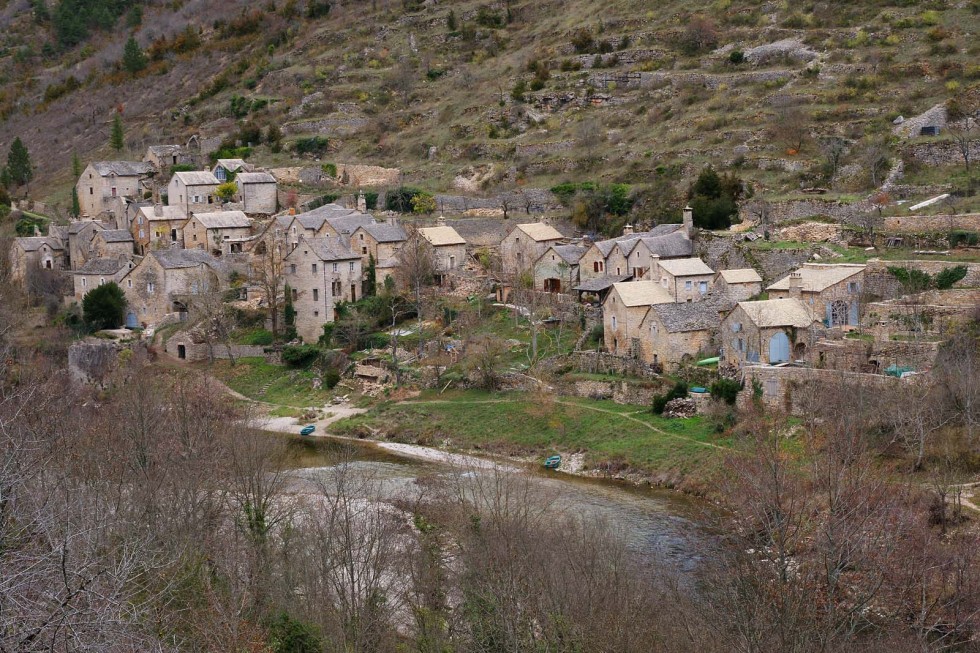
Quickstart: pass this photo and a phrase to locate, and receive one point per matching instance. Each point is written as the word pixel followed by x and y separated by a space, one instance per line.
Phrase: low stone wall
pixel 621 392
pixel 199 351
pixel 790 389
pixel 931 223
pixel 879 281
pixel 598 362
pixel 874 357
pixel 941 153
pixel 807 208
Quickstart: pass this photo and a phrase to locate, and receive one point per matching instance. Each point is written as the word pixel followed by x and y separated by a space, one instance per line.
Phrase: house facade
pixel 98 272
pixel 157 226
pixel 686 279
pixel 380 241
pixel 769 332
pixel 557 270
pixel 164 281
pixel 320 272
pixel 162 157
pixel 524 245
pixel 81 233
pixel 35 253
pixel 193 192
pixel 259 192
pixel 448 246
pixel 112 244
pixel 103 183
pixel 226 169
pixel 833 291
pixel 220 232
pixel 634 254
pixel 740 284
pixel 623 312
pixel 674 334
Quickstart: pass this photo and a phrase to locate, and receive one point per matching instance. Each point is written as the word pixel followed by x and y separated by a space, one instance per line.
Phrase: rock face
pixel 680 408
pixel 91 360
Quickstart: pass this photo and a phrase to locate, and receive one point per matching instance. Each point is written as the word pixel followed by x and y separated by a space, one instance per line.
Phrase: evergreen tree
pixel 19 168
pixel 76 207
pixel 134 60
pixel 371 280
pixel 117 138
pixel 76 165
pixel 104 307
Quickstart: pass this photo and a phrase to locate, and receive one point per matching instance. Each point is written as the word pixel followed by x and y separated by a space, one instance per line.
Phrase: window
pixel 335 289
pixel 663 281
pixel 364 250
pixel 316 295
pixel 295 294
pixel 361 236
pixel 101 281
pixel 83 282
pixel 316 313
pixel 351 266
pixel 129 283
pixel 149 286
pixel 195 236
pixel 702 287
pixel 113 191
pixel 852 287
pixel 314 268
pixel 595 266
pixel 335 268
pixel 91 191
pixel 292 269
pixel 687 285
pixel 452 262
pixel 141 233
pixel 197 199
pixel 614 321
pixel 740 345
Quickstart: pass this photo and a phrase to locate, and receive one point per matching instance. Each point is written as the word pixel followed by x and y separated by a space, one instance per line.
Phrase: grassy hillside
pixel 514 93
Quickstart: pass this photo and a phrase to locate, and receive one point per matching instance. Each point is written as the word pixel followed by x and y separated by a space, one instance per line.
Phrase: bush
pixel 288 635
pixel 300 355
pixel 736 57
pixel 331 378
pixel 260 337
pixel 400 199
pixel 968 238
pixel 679 391
pixel 945 279
pixel 104 307
pixel 314 145
pixel 726 390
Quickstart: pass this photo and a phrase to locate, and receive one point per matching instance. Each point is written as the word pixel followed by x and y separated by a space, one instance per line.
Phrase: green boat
pixel 552 462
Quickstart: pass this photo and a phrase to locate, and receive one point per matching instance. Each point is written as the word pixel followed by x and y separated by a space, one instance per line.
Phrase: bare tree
pixel 792 127
pixel 267 271
pixel 416 270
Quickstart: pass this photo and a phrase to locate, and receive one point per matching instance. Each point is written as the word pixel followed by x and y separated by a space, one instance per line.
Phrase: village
pixel 651 306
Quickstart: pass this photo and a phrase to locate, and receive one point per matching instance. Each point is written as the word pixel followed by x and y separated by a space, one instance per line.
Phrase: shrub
pixel 104 307
pixel 736 57
pixel 945 279
pixel 300 355
pixel 288 635
pixel 260 337
pixel 726 390
pixel 679 391
pixel 314 145
pixel 329 169
pixel 400 199
pixel 968 238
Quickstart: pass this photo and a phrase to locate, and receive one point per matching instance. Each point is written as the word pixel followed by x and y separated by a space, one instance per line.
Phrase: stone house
pixel 344 226
pixel 258 192
pixel 165 281
pixel 320 273
pixel 623 311
pixel 220 232
pixel 102 183
pixel 524 245
pixel 557 270
pixel 112 244
pixel 448 246
pixel 833 291
pixel 770 331
pixel 380 241
pixel 97 272
pixel 81 233
pixel 162 157
pixel 157 226
pixel 226 169
pixel 739 285
pixel 634 253
pixel 686 279
pixel 674 334
pixel 35 253
pixel 193 192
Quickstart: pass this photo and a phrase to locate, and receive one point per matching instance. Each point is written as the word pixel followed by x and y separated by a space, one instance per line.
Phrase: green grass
pixel 276 384
pixel 539 425
pixel 286 411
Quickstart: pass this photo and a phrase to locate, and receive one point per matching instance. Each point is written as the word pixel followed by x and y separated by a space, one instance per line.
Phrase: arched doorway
pixel 181 351
pixel 799 351
pixel 779 348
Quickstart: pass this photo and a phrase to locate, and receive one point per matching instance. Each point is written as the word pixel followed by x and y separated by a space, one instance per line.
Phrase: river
pixel 667 526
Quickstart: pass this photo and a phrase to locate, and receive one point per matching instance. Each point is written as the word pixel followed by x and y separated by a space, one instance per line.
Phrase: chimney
pixel 292 210
pixel 795 284
pixel 441 221
pixel 689 221
pixel 158 210
pixel 361 202
pixel 627 229
pixel 654 274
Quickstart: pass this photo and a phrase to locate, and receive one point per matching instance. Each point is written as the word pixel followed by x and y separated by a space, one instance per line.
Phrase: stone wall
pixel 790 388
pixel 941 153
pixel 198 351
pixel 808 208
pixel 931 223
pixel 621 392
pixel 91 360
pixel 873 357
pixel 880 282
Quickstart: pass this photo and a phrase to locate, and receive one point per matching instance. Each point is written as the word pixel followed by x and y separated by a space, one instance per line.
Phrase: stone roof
pixel 702 315
pixel 686 267
pixel 175 258
pixel 330 249
pixel 224 220
pixel 642 293
pixel 122 168
pixel 629 241
pixel 197 178
pixel 348 224
pixel 164 150
pixel 441 236
pixel 571 254
pixel 385 232
pixel 101 266
pixel 778 313
pixel 601 283
pixel 34 243
pixel 116 236
pixel 540 232
pixel 255 178
pixel 741 275
pixel 231 165
pixel 77 226
pixel 672 245
pixel 817 277
pixel 169 213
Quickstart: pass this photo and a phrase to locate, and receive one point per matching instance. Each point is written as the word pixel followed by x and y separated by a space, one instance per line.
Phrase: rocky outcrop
pixel 90 361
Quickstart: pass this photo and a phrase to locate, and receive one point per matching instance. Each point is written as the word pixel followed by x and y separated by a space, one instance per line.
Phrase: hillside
pixel 485 97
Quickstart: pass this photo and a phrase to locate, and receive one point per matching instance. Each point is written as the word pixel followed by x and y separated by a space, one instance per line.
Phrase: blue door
pixel 779 348
pixel 131 322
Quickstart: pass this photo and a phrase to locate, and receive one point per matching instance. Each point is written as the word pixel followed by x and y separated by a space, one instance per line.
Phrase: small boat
pixel 552 462
pixel 307 430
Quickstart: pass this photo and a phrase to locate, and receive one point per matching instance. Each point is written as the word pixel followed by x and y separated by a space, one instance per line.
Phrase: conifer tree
pixel 117 138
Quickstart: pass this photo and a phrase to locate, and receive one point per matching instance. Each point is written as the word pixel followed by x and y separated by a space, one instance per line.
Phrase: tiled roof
pixel 329 249
pixel 672 245
pixel 348 224
pixel 224 220
pixel 601 283
pixel 231 165
pixel 817 277
pixel 442 235
pixel 571 254
pixel 702 315
pixel 686 267
pixel 540 232
pixel 169 213
pixel 741 275
pixel 255 178
pixel 77 226
pixel 164 150
pixel 116 236
pixel 778 312
pixel 101 266
pixel 122 168
pixel 385 232
pixel 197 178
pixel 606 246
pixel 642 293
pixel 33 243
pixel 174 258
